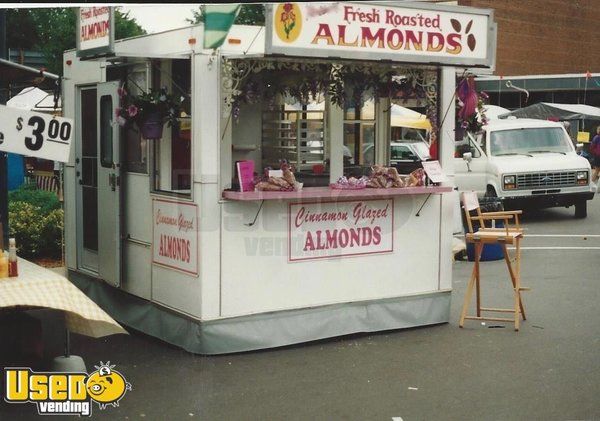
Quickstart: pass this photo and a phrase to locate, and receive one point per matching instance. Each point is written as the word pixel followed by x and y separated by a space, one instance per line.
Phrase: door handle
pixel 112 181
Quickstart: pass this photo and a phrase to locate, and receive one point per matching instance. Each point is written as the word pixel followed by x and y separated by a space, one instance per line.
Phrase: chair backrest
pixel 471 203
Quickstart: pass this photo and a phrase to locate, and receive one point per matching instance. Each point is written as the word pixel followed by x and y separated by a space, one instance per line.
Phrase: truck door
pixel 471 175
pixel 109 185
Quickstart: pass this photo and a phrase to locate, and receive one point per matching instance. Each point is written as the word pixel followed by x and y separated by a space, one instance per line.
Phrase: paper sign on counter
pixel 434 171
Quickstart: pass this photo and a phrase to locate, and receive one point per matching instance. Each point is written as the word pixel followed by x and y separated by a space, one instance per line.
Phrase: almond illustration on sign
pixel 471 41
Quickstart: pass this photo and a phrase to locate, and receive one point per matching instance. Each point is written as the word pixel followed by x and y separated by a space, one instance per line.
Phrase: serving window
pixel 286 109
pixel 172 154
pixel 359 133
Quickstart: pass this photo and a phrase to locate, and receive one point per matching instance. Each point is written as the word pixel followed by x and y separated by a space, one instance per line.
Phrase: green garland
pixel 344 83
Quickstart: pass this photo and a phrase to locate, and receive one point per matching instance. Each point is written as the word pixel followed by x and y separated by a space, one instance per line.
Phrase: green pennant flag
pixel 218 19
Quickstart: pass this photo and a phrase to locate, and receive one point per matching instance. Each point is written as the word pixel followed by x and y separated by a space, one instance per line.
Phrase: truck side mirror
pixel 468 157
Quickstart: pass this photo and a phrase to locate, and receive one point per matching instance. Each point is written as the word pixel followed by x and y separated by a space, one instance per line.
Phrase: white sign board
pixel 95 31
pixel 175 235
pixel 421 33
pixel 337 229
pixel 35 134
pixel 434 171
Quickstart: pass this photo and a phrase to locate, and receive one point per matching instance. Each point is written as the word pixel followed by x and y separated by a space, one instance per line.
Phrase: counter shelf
pixel 329 194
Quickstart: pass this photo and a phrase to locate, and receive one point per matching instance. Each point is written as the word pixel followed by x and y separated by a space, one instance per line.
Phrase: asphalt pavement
pixel 549 370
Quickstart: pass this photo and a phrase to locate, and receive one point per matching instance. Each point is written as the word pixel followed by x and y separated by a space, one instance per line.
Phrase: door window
pixel 106 132
pixel 89 170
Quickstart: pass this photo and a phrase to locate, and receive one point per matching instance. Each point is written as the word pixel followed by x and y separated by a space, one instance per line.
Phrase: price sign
pixel 434 171
pixel 35 134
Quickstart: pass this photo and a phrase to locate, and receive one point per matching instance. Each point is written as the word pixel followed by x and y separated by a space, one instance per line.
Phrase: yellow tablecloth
pixel 39 287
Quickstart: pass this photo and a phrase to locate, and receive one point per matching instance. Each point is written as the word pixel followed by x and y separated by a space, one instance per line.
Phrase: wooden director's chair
pixel 510 234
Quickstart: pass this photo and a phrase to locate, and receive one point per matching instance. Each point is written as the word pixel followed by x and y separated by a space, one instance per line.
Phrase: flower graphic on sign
pixel 288 17
pixel 288 21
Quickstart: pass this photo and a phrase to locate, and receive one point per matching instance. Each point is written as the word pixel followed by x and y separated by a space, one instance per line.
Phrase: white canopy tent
pixel 34 99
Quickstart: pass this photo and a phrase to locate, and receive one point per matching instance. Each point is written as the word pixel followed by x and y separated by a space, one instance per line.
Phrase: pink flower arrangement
pixel 132 110
pixel 157 103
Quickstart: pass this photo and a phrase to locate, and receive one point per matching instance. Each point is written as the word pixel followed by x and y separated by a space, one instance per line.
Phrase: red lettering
pixel 309 243
pixel 367 236
pixel 332 239
pixel 320 245
pixel 376 235
pixel 354 237
pixel 323 33
pixel 343 238
pixel 395 44
pixel 453 41
pixel 342 38
pixel 416 39
pixel 435 41
pixel 367 36
pixel 299 217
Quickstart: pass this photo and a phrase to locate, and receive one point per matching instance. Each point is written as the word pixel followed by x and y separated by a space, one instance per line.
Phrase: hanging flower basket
pixel 149 111
pixel 152 126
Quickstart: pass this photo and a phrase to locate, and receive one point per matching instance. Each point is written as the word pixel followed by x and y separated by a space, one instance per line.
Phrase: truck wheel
pixel 581 209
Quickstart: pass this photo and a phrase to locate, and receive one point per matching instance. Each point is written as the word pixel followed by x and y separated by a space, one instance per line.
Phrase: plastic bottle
pixel 12 258
pixel 3 264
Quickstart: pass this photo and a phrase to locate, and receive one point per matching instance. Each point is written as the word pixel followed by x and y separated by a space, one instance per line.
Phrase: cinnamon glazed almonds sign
pixel 337 229
pixel 425 33
pixel 175 235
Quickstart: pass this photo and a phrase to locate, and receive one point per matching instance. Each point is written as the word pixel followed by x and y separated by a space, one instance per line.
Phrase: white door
pixel 109 184
pixel 86 167
pixel 470 176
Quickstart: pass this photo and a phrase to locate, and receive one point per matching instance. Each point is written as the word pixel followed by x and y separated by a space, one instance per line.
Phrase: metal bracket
pixel 256 217
pixel 426 199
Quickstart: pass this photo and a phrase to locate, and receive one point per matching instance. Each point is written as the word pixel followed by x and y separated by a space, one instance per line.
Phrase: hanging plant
pixel 251 81
pixel 149 111
pixel 471 114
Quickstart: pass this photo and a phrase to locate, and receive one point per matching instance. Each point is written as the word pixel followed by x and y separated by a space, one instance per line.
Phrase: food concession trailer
pixel 157 231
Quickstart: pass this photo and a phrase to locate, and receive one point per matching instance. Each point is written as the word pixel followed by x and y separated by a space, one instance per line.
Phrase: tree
pixel 250 14
pixel 53 30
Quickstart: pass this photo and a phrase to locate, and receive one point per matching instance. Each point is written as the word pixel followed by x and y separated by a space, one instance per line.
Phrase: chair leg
pixel 518 252
pixel 478 252
pixel 468 294
pixel 515 283
pixel 516 274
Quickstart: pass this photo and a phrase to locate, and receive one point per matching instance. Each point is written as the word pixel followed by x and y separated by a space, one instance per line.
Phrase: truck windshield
pixel 528 141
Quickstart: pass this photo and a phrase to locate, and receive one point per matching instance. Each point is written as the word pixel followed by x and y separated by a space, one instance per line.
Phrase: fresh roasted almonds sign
pixel 337 229
pixel 35 134
pixel 426 33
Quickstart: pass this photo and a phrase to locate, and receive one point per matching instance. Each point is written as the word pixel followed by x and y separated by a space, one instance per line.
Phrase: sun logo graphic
pixel 106 386
pixel 288 21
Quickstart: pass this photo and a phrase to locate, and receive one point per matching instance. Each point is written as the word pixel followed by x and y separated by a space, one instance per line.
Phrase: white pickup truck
pixel 527 163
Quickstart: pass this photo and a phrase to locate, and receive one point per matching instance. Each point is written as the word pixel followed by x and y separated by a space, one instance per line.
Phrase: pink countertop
pixel 328 194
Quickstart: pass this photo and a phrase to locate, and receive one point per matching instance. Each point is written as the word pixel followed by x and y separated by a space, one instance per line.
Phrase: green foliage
pixel 44 200
pixel 53 30
pixel 37 234
pixel 250 14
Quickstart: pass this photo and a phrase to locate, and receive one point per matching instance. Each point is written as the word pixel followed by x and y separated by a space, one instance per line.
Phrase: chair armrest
pixel 515 212
pixel 492 217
